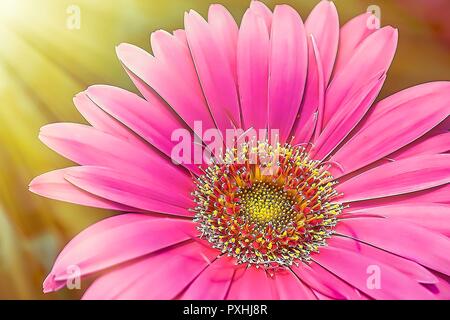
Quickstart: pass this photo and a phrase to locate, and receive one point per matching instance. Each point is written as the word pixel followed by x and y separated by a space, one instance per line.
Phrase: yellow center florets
pixel 269 206
pixel 264 203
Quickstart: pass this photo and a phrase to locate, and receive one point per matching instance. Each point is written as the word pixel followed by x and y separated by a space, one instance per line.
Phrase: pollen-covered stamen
pixel 266 205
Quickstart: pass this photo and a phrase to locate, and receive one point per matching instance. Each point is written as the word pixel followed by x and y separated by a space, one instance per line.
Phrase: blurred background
pixel 47 56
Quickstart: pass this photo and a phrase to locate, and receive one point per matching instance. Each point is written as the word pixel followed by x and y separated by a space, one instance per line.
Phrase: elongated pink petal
pixel 166 273
pixel 172 50
pixel 375 54
pixel 102 121
pixel 137 114
pixel 399 237
pixel 157 101
pixel 251 284
pixel 150 123
pixel 311 110
pixel 352 34
pixel 261 9
pixel 213 282
pixel 432 216
pixel 287 69
pixel 399 177
pixel 136 191
pixel 321 280
pixel 346 118
pixel 413 270
pixel 370 144
pixel 410 95
pixel 175 81
pixel 214 72
pixel 322 29
pixel 323 24
pixel 53 185
pixel 289 287
pixel 115 240
pixel 437 194
pixel 173 53
pixel 88 146
pixel 354 267
pixel 253 70
pixel 225 30
pixel 429 144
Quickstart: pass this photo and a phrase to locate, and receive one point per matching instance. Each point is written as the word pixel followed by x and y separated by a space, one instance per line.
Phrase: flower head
pixel 266 219
pixel 347 200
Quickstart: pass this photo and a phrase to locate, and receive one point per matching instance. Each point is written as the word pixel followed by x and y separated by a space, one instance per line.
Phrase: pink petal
pixel 433 195
pixel 53 185
pixel 175 80
pixel 213 282
pixel 413 94
pixel 115 240
pixel 411 269
pixel 352 34
pixel 404 239
pixel 253 70
pixel 323 24
pixel 353 268
pixel 311 111
pixel 436 195
pixel 225 30
pixel 433 216
pixel 288 68
pixel 261 9
pixel 402 176
pixel 375 54
pixel 289 287
pixel 428 144
pixel 322 28
pixel 213 68
pixel 251 284
pixel 370 143
pixel 88 146
pixel 161 276
pixel 155 125
pixel 140 192
pixel 321 280
pixel 100 120
pixel 347 117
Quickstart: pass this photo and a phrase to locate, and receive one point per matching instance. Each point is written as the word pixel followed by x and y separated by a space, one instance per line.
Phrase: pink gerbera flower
pixel 355 206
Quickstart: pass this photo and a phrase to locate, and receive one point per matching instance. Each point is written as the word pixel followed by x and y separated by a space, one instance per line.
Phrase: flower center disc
pixel 269 206
pixel 263 204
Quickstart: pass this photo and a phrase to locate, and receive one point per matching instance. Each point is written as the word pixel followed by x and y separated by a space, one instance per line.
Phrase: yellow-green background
pixel 43 64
